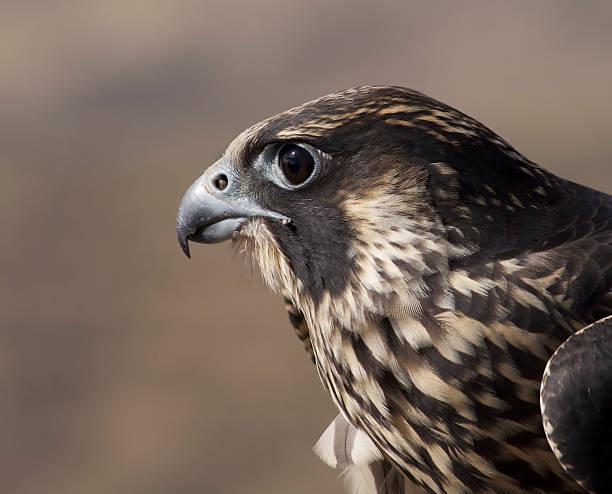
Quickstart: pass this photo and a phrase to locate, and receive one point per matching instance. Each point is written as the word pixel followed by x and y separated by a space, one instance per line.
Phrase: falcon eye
pixel 296 163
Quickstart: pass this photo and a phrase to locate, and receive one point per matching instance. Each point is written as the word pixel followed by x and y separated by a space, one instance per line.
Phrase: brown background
pixel 124 368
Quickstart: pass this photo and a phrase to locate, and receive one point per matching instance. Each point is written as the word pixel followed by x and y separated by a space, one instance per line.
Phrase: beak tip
pixel 184 243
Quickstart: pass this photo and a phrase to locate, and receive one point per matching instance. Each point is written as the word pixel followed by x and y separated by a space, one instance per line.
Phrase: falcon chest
pixel 448 386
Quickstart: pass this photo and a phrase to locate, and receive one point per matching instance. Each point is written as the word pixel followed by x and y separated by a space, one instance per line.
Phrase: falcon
pixel 456 298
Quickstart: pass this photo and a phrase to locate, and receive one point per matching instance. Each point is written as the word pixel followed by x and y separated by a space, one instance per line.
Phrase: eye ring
pixel 297 164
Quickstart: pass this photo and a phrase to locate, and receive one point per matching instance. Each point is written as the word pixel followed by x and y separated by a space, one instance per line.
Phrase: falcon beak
pixel 213 208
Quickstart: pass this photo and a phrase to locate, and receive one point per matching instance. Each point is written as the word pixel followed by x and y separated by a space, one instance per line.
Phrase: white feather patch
pixel 343 445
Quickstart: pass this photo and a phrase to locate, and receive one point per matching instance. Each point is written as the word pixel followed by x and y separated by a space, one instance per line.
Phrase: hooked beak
pixel 213 209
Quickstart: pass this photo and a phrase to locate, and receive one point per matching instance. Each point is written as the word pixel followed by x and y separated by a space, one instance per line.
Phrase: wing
pixel 576 402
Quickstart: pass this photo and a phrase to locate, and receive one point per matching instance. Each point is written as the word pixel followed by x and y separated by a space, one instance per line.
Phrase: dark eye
pixel 296 163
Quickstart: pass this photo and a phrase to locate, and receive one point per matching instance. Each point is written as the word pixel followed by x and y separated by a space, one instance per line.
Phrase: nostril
pixel 220 181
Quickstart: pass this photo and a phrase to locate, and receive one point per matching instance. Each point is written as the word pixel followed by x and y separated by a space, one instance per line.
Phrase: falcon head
pixel 383 215
pixel 368 194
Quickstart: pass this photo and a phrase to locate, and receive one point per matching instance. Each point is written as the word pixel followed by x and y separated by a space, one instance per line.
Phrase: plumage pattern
pixel 431 271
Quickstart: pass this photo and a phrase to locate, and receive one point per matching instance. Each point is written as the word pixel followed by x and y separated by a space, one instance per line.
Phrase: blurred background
pixel 126 368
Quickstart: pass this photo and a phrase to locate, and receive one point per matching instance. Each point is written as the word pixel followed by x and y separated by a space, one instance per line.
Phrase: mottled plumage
pixel 431 271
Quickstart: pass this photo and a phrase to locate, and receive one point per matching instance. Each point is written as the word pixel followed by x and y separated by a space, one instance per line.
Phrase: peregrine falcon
pixel 455 297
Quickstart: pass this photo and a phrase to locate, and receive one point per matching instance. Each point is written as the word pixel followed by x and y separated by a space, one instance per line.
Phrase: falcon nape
pixel 432 271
